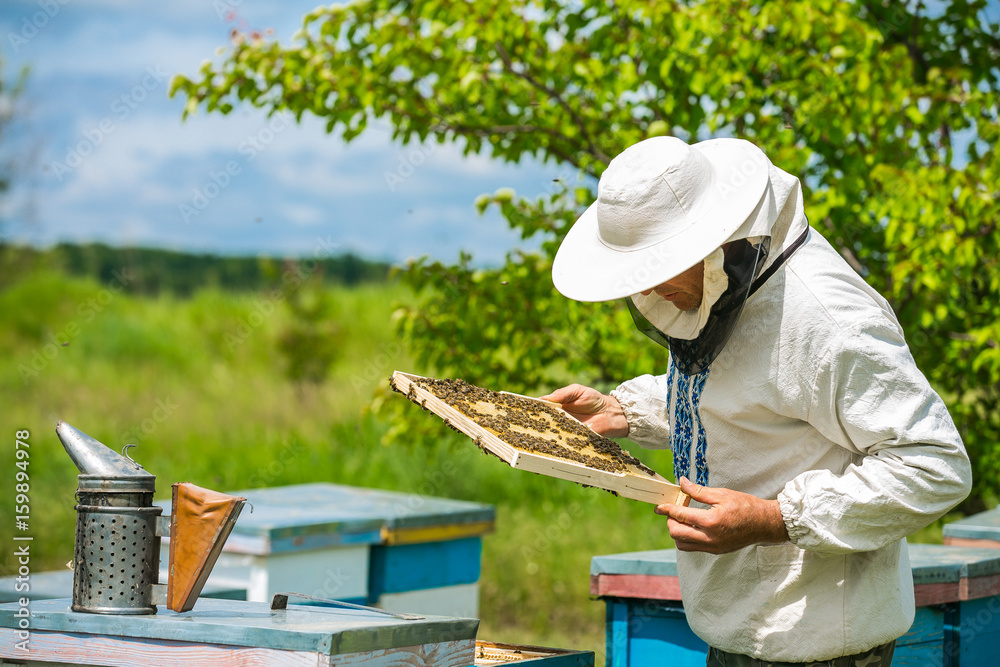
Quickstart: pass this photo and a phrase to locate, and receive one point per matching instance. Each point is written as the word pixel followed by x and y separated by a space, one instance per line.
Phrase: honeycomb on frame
pixel 538 436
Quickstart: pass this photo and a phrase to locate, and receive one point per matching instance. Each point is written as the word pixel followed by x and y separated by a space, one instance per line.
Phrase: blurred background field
pixel 210 402
pixel 200 384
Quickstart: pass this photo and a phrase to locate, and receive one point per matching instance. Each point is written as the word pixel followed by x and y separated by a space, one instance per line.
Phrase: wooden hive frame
pixel 653 489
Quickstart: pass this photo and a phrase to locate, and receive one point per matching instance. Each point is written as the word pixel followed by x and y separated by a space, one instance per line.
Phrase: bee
pixel 530 426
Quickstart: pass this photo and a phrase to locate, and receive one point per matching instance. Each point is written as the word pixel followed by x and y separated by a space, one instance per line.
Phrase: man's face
pixel 684 290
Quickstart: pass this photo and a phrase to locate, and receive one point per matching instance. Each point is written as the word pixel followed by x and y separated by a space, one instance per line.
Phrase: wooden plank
pixel 617 629
pixel 642 586
pixel 412 567
pixel 925 594
pixel 918 655
pixel 981 526
pixel 966 542
pixel 661 562
pixel 447 532
pixel 489 654
pixel 927 627
pixel 980 632
pixel 656 631
pixel 460 653
pixel 974 588
pixel 84 649
pixel 253 624
pixel 629 484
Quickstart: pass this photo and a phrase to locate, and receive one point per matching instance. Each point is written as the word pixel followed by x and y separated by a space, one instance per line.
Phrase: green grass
pixel 198 384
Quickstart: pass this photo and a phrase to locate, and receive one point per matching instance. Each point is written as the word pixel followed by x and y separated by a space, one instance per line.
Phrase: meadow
pixel 197 384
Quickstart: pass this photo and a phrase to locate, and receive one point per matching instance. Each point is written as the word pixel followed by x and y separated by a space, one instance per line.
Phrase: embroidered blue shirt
pixel 687 436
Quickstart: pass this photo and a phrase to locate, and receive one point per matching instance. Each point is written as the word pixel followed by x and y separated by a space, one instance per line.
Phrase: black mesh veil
pixel 743 263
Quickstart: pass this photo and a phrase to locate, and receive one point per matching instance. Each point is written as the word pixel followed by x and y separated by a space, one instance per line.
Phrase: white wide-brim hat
pixel 662 206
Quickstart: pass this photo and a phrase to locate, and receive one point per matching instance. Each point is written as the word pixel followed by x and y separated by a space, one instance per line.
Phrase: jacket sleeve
pixel 910 465
pixel 644 401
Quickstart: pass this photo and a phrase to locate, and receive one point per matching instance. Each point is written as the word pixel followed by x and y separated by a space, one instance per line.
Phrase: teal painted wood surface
pixel 936 563
pixel 306 516
pixel 923 654
pixel 413 567
pixel 661 562
pixel 928 627
pixel 982 526
pixel 647 633
pixel 325 630
pixel 931 563
pixel 616 629
pixel 979 632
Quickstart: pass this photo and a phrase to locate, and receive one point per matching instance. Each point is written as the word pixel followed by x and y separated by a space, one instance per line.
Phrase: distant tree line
pixel 151 271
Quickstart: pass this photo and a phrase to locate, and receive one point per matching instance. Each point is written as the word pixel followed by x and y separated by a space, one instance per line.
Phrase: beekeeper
pixel 813 443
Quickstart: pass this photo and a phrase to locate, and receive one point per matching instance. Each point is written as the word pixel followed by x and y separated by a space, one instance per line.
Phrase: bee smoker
pixel 116 556
pixel 117 552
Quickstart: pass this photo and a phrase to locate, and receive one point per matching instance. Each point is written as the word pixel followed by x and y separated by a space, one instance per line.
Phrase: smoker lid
pixel 96 461
pixel 102 484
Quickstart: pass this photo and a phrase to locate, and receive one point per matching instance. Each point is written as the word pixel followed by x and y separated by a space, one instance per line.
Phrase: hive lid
pixel 320 515
pixel 94 459
pixel 937 563
pixel 324 630
pixel 660 562
pixel 982 526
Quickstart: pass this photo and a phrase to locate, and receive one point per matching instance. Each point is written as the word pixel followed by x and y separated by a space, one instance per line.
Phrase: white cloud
pixel 300 183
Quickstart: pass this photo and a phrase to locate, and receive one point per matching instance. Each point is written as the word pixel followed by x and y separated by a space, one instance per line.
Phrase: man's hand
pixel 599 411
pixel 733 521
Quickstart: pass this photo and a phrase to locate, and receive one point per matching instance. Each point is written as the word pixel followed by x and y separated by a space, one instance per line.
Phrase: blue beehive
pixel 978 530
pixel 957 593
pixel 359 545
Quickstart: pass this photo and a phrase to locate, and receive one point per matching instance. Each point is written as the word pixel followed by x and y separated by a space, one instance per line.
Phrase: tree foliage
pixel 312 339
pixel 11 91
pixel 887 111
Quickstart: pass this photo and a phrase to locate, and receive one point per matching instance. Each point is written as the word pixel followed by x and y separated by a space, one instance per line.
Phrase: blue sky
pixel 112 161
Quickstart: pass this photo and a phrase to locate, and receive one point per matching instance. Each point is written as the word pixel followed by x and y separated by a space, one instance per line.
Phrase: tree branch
pixel 591 149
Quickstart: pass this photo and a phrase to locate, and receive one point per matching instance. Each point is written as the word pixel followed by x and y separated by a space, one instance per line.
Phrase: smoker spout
pixel 93 458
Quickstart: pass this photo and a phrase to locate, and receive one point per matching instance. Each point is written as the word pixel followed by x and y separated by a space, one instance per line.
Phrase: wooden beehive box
pixel 491 654
pixel 537 436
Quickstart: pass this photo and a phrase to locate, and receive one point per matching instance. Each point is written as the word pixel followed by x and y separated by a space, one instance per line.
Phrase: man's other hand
pixel 734 520
pixel 601 412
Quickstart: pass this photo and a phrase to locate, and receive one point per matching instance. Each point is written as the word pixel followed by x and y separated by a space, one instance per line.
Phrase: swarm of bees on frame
pixel 530 425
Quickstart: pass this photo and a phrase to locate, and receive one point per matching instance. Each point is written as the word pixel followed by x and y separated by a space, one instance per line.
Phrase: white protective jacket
pixel 815 401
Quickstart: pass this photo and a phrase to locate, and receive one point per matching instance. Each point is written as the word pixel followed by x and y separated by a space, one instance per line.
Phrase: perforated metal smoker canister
pixel 116 555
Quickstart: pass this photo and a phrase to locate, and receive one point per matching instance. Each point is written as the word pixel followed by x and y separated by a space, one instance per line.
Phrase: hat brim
pixel 585 269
